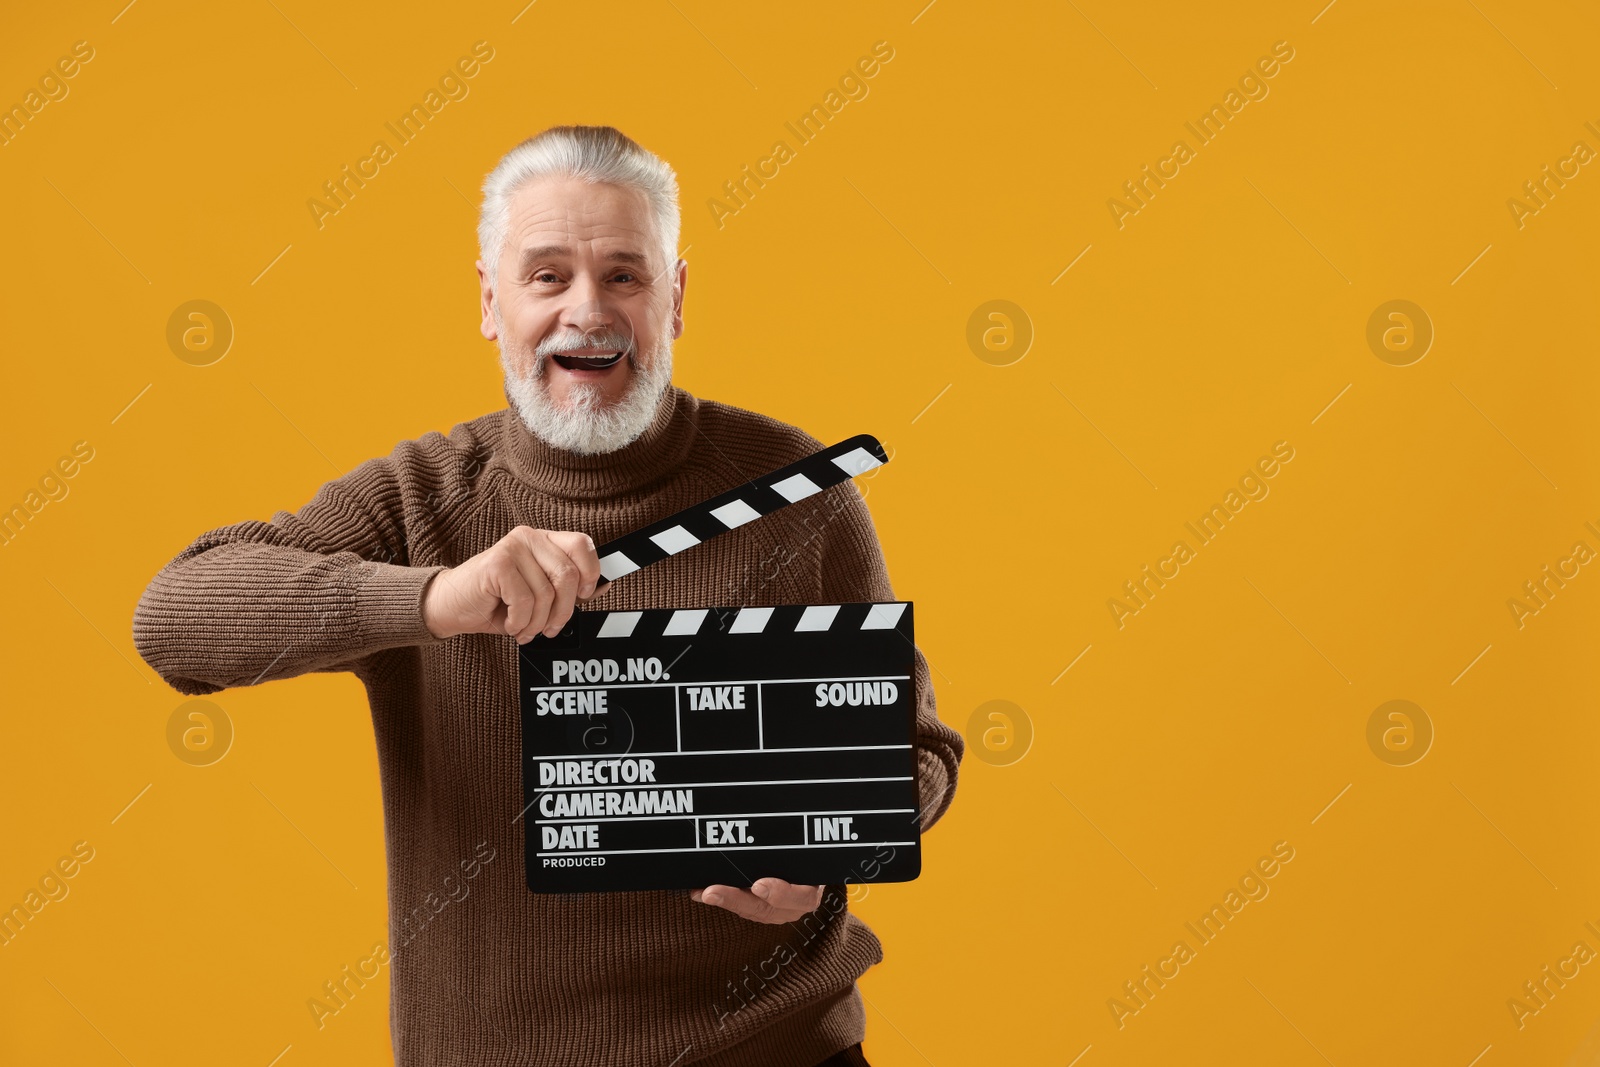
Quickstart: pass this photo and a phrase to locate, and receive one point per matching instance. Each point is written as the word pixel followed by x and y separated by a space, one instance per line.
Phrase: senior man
pixel 421 572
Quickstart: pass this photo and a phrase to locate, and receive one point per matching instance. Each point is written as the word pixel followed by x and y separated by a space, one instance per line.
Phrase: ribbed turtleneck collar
pixel 663 446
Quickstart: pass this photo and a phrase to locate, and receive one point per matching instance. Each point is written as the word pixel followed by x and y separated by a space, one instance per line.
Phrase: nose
pixel 587 312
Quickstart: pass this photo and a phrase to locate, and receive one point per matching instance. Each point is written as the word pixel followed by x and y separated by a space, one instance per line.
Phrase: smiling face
pixel 585 312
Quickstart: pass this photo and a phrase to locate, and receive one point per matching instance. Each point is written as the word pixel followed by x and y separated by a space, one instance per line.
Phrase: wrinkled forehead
pixel 592 221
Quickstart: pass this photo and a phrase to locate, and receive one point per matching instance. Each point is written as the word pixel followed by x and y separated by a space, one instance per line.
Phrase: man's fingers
pixel 770 900
pixel 540 596
pixel 741 902
pixel 579 547
pixel 507 581
pixel 788 897
pixel 564 577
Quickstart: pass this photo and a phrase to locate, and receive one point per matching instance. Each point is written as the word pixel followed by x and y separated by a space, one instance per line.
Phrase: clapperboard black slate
pixel 679 748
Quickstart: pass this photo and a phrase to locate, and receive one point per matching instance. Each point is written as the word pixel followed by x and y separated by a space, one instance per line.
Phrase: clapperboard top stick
pixel 753 500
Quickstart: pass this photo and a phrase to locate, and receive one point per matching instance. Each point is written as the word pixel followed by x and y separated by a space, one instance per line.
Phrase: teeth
pixel 589 362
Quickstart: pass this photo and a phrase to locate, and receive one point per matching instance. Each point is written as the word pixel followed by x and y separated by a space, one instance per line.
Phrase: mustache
pixel 563 340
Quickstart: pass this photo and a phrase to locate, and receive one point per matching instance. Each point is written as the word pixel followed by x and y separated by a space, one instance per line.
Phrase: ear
pixel 680 284
pixel 486 301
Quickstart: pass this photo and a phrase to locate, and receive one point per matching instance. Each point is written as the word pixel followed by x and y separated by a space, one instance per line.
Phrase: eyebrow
pixel 530 255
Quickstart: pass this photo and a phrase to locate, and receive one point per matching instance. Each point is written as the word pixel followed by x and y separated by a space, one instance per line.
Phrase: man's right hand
pixel 526 583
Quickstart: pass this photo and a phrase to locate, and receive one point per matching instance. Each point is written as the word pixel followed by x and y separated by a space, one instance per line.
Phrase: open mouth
pixel 589 361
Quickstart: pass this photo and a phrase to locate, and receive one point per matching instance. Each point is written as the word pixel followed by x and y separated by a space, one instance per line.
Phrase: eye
pixel 623 277
pixel 544 275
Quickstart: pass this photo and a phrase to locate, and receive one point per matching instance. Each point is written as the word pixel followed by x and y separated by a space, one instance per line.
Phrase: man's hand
pixel 770 900
pixel 524 584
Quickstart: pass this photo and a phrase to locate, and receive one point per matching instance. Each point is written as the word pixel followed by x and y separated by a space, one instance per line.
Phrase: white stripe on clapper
pixel 817 617
pixel 685 622
pixel 857 461
pixel 883 616
pixel 750 621
pixel 796 487
pixel 734 514
pixel 619 624
pixel 674 540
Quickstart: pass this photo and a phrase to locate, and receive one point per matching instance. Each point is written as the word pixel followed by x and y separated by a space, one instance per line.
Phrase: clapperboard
pixel 680 748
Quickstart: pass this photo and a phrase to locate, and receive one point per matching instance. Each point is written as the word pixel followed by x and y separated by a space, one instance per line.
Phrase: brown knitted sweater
pixel 500 975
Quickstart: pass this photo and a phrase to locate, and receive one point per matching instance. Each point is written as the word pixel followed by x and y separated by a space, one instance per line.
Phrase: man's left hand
pixel 770 900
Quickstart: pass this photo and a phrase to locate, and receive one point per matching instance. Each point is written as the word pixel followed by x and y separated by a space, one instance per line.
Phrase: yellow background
pixel 1225 316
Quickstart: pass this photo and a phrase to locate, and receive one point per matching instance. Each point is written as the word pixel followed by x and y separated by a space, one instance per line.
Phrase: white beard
pixel 585 425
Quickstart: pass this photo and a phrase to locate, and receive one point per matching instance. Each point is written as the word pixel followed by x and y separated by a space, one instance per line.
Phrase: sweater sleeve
pixel 853 571
pixel 318 590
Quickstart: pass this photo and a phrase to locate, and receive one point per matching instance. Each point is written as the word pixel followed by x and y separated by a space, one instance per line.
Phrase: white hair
pixel 592 153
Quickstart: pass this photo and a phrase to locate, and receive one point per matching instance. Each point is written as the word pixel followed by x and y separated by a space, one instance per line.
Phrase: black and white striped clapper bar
pixel 680 748
pixel 751 501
